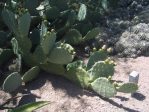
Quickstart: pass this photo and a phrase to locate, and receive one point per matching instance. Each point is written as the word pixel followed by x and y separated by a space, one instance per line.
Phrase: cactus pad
pixel 82 12
pixel 128 88
pixel 96 56
pixel 61 54
pixel 79 76
pixel 12 82
pixel 101 69
pixel 24 24
pixel 92 34
pixel 73 37
pixel 9 19
pixel 103 87
pixel 48 41
pixel 31 74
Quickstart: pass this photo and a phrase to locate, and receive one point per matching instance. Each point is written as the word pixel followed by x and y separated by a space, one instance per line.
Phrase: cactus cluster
pixel 48 49
pixel 98 76
pixel 72 20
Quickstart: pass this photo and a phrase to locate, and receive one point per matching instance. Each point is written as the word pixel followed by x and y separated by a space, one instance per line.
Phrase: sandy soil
pixel 67 97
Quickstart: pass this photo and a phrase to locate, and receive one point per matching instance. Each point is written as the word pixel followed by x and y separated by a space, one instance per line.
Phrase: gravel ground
pixel 67 97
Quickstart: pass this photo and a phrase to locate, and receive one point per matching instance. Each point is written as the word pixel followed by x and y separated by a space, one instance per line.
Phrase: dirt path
pixel 67 97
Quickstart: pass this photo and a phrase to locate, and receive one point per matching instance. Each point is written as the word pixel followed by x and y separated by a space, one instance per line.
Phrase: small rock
pixel 134 77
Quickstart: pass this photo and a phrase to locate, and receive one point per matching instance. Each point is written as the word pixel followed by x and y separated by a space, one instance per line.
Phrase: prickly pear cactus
pixel 103 87
pixel 61 54
pixel 101 69
pixel 92 34
pixel 31 74
pixel 50 54
pixel 9 19
pixel 77 73
pixel 20 27
pixel 95 57
pixel 127 88
pixel 12 82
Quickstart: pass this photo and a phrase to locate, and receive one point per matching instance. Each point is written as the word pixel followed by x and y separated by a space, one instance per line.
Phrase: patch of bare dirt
pixel 67 97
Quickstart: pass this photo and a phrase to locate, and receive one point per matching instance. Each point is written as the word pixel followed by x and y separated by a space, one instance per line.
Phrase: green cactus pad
pixel 24 24
pixel 92 34
pixel 20 27
pixel 38 56
pixel 101 69
pixel 9 19
pixel 82 12
pixel 61 54
pixel 103 87
pixel 128 88
pixel 47 42
pixel 5 55
pixel 31 74
pixel 79 76
pixel 73 37
pixel 12 82
pixel 96 56
pixel 15 46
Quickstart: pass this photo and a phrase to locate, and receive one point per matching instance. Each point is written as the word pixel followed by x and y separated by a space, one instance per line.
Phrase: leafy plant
pixel 30 106
pixel 24 108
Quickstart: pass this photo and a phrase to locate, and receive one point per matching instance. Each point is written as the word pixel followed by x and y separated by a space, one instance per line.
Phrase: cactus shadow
pixel 61 83
pixel 119 105
pixel 28 98
pixel 122 98
pixel 138 96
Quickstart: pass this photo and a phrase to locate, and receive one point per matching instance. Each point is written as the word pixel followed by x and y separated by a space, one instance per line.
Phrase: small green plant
pixel 30 106
pixel 24 108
